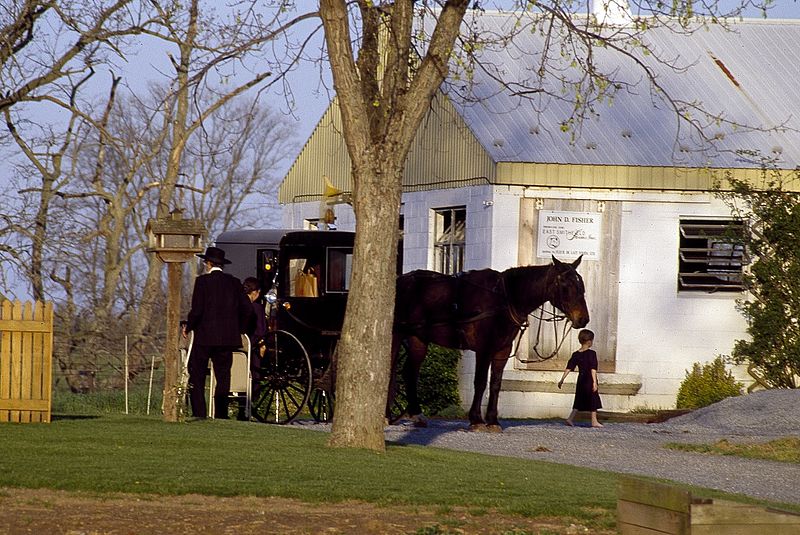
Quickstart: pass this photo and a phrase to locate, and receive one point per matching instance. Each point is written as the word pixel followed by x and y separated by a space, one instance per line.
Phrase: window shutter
pixel 711 255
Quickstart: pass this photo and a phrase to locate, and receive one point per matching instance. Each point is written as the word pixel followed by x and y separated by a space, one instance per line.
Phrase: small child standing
pixel 586 396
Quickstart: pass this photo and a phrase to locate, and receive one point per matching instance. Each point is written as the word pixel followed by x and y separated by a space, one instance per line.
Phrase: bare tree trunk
pixel 166 195
pixel 364 363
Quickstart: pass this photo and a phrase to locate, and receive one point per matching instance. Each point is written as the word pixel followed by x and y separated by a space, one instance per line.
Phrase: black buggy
pixel 304 277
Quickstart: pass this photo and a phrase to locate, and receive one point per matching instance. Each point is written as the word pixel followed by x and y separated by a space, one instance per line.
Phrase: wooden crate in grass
pixel 649 508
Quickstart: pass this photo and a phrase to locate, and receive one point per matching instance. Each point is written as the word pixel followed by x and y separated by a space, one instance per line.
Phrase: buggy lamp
pixel 272 296
pixel 287 305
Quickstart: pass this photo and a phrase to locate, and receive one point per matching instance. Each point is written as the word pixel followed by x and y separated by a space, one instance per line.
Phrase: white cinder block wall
pixel 662 332
pixel 295 215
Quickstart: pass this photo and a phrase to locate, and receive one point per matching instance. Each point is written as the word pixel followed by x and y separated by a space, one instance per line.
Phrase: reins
pixel 554 319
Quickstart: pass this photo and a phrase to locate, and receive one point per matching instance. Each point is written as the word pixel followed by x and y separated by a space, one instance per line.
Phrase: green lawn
pixel 139 454
pixel 785 450
pixel 226 458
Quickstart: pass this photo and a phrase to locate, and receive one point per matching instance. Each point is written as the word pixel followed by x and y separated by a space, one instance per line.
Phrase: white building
pixel 482 178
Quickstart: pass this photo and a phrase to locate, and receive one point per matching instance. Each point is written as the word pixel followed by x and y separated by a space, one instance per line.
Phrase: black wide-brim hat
pixel 215 255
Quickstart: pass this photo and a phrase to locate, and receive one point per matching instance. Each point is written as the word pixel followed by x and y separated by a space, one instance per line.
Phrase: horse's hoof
pixel 478 428
pixel 494 428
pixel 396 420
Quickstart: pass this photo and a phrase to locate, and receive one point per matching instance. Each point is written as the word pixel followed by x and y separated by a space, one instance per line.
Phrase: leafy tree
pixel 772 303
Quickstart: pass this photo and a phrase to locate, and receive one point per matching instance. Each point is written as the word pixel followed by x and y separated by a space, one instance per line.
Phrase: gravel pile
pixel 639 449
pixel 764 413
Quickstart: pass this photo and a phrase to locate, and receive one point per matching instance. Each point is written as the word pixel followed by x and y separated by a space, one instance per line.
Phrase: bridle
pixel 543 316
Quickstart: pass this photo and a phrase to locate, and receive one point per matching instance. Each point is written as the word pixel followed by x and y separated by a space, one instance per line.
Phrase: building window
pixel 450 231
pixel 711 255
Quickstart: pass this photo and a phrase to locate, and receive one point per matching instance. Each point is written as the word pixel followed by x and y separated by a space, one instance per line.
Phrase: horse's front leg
pixel 481 375
pixel 416 351
pixel 498 365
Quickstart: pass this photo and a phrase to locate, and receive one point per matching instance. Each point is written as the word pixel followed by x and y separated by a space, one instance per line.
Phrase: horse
pixel 481 310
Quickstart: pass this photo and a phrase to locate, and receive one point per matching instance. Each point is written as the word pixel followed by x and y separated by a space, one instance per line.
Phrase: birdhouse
pixel 175 239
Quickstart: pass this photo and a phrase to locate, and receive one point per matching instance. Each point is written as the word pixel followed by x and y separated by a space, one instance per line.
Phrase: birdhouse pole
pixel 175 241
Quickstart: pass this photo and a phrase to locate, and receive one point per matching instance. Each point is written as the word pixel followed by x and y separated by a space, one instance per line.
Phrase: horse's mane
pixel 520 271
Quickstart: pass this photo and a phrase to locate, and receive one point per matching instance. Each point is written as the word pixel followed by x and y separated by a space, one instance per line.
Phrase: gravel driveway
pixel 638 449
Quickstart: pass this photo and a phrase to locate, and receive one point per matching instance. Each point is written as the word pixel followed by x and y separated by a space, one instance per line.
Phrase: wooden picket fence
pixel 26 361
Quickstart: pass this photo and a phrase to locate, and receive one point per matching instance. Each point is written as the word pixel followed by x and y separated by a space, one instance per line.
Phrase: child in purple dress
pixel 586 396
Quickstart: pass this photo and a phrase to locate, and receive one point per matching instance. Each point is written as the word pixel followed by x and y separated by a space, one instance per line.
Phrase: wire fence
pixel 110 382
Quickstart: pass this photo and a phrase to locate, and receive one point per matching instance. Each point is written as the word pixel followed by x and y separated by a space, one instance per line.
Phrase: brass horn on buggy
pixel 330 190
pixel 331 196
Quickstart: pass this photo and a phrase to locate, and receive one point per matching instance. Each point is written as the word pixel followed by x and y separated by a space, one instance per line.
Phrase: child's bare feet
pixel 597 424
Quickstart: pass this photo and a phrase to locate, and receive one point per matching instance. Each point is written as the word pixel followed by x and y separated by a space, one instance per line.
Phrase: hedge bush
pixel 438 380
pixel 707 384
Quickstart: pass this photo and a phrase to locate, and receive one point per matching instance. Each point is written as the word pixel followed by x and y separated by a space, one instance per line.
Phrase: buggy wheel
pixel 320 404
pixel 284 382
pixel 323 395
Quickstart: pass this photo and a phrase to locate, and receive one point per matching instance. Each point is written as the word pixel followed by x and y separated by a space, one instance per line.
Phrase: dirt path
pixel 44 511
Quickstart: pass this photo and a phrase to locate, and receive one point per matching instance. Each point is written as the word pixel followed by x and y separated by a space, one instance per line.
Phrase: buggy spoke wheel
pixel 284 379
pixel 322 399
pixel 320 404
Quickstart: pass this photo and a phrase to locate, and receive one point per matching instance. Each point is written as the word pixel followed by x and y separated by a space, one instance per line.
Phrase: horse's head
pixel 568 292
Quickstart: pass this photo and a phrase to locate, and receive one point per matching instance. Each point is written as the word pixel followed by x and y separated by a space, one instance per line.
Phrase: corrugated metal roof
pixel 324 154
pixel 748 75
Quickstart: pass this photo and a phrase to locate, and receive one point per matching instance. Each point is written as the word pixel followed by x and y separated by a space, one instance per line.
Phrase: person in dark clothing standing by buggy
pixel 220 314
pixel 587 397
pixel 257 329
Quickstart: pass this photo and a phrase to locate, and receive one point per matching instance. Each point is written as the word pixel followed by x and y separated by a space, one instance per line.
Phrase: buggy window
pixel 339 268
pixel 303 277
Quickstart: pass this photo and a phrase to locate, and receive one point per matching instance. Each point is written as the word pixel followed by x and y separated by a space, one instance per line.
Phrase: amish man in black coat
pixel 220 313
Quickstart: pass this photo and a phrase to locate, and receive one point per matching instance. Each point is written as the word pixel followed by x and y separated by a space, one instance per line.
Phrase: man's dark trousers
pixel 221 358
